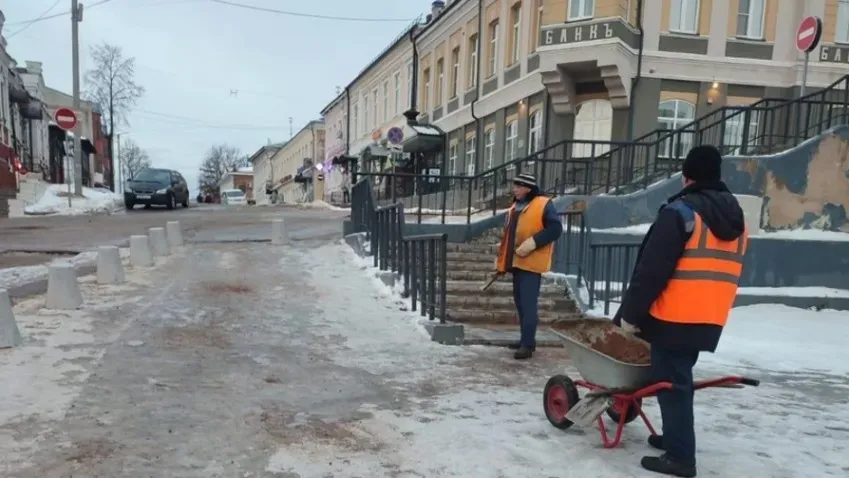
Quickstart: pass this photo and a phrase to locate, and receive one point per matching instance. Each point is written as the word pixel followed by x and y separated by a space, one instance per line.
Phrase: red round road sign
pixel 808 34
pixel 65 118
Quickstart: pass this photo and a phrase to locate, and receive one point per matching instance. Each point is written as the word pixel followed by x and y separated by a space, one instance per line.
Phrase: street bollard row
pixel 63 289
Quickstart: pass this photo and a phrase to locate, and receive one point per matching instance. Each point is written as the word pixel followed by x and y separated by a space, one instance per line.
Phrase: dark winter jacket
pixel 659 253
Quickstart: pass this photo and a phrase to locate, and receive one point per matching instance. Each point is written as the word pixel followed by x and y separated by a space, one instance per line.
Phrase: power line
pixel 310 15
pixel 199 123
pixel 56 15
pixel 39 18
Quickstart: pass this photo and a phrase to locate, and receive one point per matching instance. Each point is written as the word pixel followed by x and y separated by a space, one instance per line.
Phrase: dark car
pixel 159 187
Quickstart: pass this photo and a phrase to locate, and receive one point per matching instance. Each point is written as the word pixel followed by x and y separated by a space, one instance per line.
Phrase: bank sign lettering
pixel 578 33
pixel 834 54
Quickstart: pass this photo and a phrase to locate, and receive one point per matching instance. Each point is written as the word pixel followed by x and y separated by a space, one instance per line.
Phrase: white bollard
pixel 63 291
pixel 10 335
pixel 158 241
pixel 140 253
pixel 174 233
pixel 278 232
pixel 110 270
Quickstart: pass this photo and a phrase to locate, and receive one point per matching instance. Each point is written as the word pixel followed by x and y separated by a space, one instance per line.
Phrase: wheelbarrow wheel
pixel 615 411
pixel 559 397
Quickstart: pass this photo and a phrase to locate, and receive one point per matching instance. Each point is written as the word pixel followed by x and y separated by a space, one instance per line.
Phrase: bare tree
pixel 219 160
pixel 133 158
pixel 111 85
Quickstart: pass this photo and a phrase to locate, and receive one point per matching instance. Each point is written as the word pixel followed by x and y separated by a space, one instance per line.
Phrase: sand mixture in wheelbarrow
pixel 604 337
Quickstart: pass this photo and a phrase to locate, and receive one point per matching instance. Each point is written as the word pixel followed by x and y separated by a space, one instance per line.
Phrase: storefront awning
pixel 426 138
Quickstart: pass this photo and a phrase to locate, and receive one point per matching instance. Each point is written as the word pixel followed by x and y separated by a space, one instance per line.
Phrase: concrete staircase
pixel 31 189
pixel 471 265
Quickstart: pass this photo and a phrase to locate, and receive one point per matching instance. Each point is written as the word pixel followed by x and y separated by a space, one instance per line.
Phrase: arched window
pixel 489 149
pixel 672 115
pixel 534 136
pixel 593 128
pixel 511 140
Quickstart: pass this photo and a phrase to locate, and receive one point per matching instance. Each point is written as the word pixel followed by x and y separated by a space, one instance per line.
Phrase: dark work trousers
pixel 676 405
pixel 526 297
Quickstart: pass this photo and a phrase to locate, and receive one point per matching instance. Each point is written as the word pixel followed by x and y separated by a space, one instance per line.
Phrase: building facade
pixel 537 72
pixel 336 126
pixel 242 179
pixel 59 168
pixel 39 154
pixel 261 163
pixel 295 160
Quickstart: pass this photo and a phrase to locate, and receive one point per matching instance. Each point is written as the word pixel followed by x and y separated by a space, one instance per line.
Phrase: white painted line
pixel 806 33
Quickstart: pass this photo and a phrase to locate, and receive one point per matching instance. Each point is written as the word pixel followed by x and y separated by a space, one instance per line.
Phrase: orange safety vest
pixel 529 224
pixel 703 287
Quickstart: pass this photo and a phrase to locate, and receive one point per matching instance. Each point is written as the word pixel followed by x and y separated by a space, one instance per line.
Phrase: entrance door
pixel 593 122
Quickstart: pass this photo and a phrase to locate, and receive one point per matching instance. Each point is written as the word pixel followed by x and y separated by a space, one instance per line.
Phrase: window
pixel 455 72
pixel 426 91
pixel 675 114
pixel 473 60
pixel 471 154
pixel 493 48
pixel 489 149
pixel 537 26
pixel 366 124
pixel 385 101
pixel 515 32
pixel 440 82
pixel 842 34
pixel 452 160
pixel 409 84
pixel 510 142
pixel 684 16
pixel 398 93
pixel 374 96
pixel 750 19
pixel 534 134
pixel 581 9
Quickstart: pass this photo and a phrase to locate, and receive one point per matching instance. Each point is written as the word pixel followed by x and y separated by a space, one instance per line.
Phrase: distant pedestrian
pixel 530 229
pixel 681 293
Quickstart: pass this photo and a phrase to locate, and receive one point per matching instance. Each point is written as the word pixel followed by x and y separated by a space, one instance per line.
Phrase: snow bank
pixel 319 204
pixel 55 202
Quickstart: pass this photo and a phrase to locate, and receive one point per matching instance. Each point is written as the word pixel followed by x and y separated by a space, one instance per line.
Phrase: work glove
pixel 526 247
pixel 630 328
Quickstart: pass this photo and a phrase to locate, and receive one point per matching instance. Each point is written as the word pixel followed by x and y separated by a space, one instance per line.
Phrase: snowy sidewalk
pixel 250 360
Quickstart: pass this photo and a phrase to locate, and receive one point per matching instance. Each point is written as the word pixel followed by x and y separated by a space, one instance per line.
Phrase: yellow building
pixel 296 159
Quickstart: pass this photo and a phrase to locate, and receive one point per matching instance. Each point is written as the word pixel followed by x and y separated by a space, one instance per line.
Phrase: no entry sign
pixel 65 118
pixel 808 34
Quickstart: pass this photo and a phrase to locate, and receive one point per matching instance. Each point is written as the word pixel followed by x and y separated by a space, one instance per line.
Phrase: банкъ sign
pixel 584 32
pixel 834 54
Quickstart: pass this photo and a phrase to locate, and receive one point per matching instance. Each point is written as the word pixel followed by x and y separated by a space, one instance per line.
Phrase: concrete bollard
pixel 158 241
pixel 10 335
pixel 110 270
pixel 63 291
pixel 174 233
pixel 278 232
pixel 140 252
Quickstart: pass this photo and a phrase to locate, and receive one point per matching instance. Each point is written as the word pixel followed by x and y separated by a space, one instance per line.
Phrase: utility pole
pixel 291 131
pixel 76 18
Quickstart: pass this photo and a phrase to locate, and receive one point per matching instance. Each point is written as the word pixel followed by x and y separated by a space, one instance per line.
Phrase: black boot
pixel 656 441
pixel 523 353
pixel 518 345
pixel 666 466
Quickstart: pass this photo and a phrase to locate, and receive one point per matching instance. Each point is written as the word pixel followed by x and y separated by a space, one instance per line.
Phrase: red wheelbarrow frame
pixel 626 400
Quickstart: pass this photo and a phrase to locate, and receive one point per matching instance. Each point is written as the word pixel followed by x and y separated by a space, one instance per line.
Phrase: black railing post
pixel 443 277
pixel 434 264
pixel 414 274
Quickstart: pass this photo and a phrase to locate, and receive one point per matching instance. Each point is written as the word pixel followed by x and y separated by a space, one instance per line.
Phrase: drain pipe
pixel 478 124
pixel 347 121
pixel 412 114
pixel 636 80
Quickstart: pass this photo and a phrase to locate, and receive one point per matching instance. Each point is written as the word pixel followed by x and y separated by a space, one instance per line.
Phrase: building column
pixel 719 15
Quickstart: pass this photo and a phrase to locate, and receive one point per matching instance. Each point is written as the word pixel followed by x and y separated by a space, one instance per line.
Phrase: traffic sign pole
pixel 805 74
pixel 76 18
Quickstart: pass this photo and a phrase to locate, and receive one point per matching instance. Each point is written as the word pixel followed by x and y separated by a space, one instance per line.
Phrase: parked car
pixel 234 197
pixel 156 187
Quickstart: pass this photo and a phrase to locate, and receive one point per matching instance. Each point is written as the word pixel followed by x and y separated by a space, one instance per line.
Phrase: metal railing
pixel 421 261
pixel 618 167
pixel 609 272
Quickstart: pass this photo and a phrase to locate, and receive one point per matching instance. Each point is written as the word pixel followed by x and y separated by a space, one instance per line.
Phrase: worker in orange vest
pixel 530 229
pixel 681 293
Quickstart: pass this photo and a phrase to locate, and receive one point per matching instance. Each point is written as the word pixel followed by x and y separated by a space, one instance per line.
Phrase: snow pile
pixel 319 204
pixel 17 276
pixel 55 202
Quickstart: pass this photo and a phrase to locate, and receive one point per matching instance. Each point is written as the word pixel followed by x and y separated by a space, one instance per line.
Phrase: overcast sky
pixel 190 55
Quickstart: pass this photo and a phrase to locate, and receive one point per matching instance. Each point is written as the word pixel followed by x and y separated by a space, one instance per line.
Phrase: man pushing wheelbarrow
pixel 680 295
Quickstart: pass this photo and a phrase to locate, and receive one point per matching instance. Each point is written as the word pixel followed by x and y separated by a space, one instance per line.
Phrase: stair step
pixel 480 276
pixel 467 316
pixel 505 303
pixel 462 247
pixel 483 266
pixel 504 287
pixel 473 256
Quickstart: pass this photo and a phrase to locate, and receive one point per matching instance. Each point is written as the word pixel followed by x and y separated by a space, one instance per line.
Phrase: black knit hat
pixel 703 164
pixel 526 180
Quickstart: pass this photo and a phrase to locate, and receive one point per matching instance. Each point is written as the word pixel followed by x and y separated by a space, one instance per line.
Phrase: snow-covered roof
pixel 248 169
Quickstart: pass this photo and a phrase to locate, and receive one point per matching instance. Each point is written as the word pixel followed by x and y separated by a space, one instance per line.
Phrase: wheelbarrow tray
pixel 602 370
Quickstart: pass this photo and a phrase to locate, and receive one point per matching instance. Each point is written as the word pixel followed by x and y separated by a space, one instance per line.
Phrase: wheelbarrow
pixel 614 388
